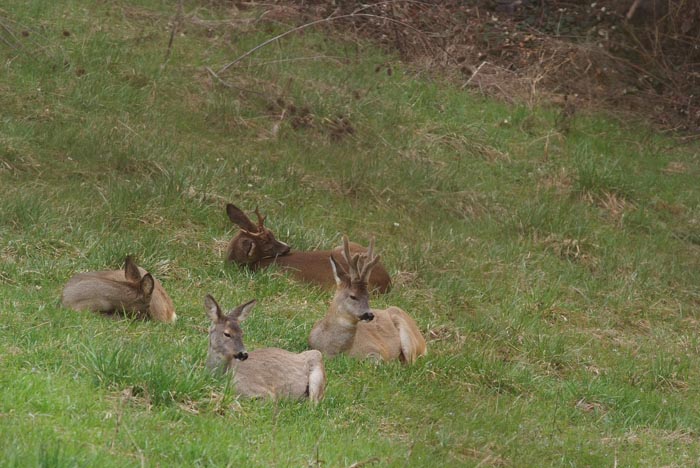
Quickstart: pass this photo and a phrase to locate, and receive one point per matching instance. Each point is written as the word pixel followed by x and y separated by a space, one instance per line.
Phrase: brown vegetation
pixel 634 56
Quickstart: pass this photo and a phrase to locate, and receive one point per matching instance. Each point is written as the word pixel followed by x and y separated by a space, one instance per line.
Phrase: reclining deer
pixel 351 327
pixel 132 291
pixel 267 372
pixel 256 246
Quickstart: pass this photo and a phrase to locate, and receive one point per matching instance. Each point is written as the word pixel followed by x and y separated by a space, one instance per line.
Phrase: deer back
pixel 276 373
pixel 314 267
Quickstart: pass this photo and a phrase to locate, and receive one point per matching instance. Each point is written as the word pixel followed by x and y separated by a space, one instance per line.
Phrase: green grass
pixel 555 275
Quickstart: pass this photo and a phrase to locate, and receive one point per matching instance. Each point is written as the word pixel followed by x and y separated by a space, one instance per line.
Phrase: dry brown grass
pixel 574 250
pixel 676 167
pixel 613 205
pixel 638 437
pixel 591 406
pixel 561 181
pixel 485 456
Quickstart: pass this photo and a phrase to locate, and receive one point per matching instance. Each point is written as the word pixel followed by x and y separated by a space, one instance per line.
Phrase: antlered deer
pixel 351 327
pixel 256 246
pixel 267 372
pixel 132 290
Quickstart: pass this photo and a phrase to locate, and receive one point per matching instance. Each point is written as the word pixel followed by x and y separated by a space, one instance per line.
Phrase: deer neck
pixel 340 331
pixel 217 361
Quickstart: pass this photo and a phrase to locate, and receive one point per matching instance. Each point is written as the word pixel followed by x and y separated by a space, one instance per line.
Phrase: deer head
pixel 351 299
pixel 142 285
pixel 225 334
pixel 253 242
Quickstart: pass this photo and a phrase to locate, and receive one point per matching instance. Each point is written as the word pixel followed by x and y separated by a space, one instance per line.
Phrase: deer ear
pixel 239 218
pixel 213 309
pixel 131 271
pixel 250 248
pixel 241 312
pixel 338 273
pixel 147 285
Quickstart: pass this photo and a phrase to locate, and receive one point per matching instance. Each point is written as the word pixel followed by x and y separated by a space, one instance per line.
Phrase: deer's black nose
pixel 367 317
pixel 242 356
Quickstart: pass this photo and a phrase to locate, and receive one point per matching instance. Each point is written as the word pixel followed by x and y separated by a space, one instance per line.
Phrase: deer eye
pixel 227 334
pixel 353 297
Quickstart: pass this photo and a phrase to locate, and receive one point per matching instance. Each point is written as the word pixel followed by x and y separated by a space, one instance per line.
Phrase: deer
pixel 263 373
pixel 256 247
pixel 351 327
pixel 132 291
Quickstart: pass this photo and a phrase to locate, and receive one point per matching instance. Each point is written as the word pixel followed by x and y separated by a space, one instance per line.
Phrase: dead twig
pixel 17 44
pixel 233 86
pixel 369 461
pixel 176 24
pixel 474 74
pixel 8 36
pixel 300 59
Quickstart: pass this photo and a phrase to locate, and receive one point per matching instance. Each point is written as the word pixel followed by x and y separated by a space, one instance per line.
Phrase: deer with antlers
pixel 256 247
pixel 352 327
pixel 267 372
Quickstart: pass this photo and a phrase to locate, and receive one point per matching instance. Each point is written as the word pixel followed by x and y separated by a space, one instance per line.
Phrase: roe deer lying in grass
pixel 256 246
pixel 351 327
pixel 132 290
pixel 268 372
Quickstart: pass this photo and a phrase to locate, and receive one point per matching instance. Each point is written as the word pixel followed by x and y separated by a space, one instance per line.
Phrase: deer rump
pixel 391 335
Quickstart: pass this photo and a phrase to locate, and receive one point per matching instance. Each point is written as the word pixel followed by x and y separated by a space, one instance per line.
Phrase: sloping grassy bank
pixel 554 274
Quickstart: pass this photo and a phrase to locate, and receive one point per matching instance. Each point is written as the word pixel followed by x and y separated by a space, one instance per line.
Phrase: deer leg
pixel 412 342
pixel 317 377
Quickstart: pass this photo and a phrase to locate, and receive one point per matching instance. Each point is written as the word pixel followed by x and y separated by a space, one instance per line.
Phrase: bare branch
pixel 314 23
pixel 633 8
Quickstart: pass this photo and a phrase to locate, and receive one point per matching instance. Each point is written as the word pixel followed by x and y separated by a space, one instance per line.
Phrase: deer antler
pixel 252 234
pixel 359 265
pixel 261 220
pixel 369 261
pixel 351 259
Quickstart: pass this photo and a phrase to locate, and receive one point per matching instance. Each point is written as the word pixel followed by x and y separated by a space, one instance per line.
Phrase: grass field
pixel 556 275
